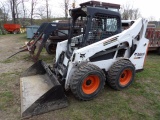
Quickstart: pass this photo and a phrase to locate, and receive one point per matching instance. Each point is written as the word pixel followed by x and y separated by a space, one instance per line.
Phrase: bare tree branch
pixel 33 5
pixel 128 12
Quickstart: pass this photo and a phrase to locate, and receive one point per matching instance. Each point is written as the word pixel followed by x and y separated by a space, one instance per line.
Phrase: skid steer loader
pixel 101 53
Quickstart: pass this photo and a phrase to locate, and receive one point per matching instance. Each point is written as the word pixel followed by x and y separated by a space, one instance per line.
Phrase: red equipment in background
pixel 153 35
pixel 12 28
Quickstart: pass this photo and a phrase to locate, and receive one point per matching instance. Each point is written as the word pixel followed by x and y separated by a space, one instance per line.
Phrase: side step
pixel 40 91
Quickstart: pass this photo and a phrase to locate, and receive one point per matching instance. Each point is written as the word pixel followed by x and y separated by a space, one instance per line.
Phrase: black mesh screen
pixel 102 26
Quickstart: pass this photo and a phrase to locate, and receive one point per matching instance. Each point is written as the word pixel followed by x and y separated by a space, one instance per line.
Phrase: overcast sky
pixel 147 8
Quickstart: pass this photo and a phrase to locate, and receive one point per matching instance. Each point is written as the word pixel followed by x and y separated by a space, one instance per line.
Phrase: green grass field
pixel 141 101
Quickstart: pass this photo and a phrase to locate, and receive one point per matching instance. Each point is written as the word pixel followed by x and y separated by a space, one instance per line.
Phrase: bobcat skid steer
pixel 101 53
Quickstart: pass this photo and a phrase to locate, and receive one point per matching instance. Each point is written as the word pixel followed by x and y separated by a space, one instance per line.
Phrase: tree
pixel 24 10
pixel 4 12
pixel 129 13
pixel 17 3
pixel 12 7
pixel 40 12
pixel 65 6
pixel 33 5
pixel 44 11
pixel 47 11
pixel 3 15
pixel 151 18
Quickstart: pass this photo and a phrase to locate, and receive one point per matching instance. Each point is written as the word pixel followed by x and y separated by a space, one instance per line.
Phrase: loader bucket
pixel 40 91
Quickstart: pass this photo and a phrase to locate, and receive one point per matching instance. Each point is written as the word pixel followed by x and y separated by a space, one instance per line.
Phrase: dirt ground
pixel 140 101
pixel 9 45
pixel 10 71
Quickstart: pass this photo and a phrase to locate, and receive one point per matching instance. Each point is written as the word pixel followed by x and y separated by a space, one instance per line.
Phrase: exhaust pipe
pixel 40 91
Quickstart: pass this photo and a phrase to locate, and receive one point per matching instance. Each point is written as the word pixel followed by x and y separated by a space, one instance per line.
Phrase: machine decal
pixel 139 55
pixel 53 25
pixel 110 41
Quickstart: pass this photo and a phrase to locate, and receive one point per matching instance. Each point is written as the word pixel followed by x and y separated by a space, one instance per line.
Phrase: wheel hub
pixel 125 77
pixel 88 82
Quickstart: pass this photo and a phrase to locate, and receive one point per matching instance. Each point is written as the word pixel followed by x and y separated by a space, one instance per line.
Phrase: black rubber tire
pixel 158 51
pixel 116 75
pixel 15 32
pixel 80 75
pixel 50 47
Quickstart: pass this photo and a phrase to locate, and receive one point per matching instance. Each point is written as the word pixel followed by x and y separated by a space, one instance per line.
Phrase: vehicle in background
pixel 12 28
pixel 153 34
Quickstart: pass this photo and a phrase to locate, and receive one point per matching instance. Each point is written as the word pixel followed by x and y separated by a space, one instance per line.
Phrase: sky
pixel 148 8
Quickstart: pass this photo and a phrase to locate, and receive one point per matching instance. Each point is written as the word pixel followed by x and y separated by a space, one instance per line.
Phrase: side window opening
pixel 102 26
pixel 111 24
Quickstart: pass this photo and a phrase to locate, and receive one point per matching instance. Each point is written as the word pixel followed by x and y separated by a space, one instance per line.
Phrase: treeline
pixel 29 12
pixel 17 11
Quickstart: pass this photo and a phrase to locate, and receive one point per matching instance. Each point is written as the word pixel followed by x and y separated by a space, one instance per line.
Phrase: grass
pixel 7 83
pixel 7 61
pixel 5 97
pixel 19 56
pixel 141 101
pixel 46 57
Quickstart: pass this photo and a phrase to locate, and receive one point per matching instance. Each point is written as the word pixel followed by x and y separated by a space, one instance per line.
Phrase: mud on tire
pixel 121 74
pixel 87 81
